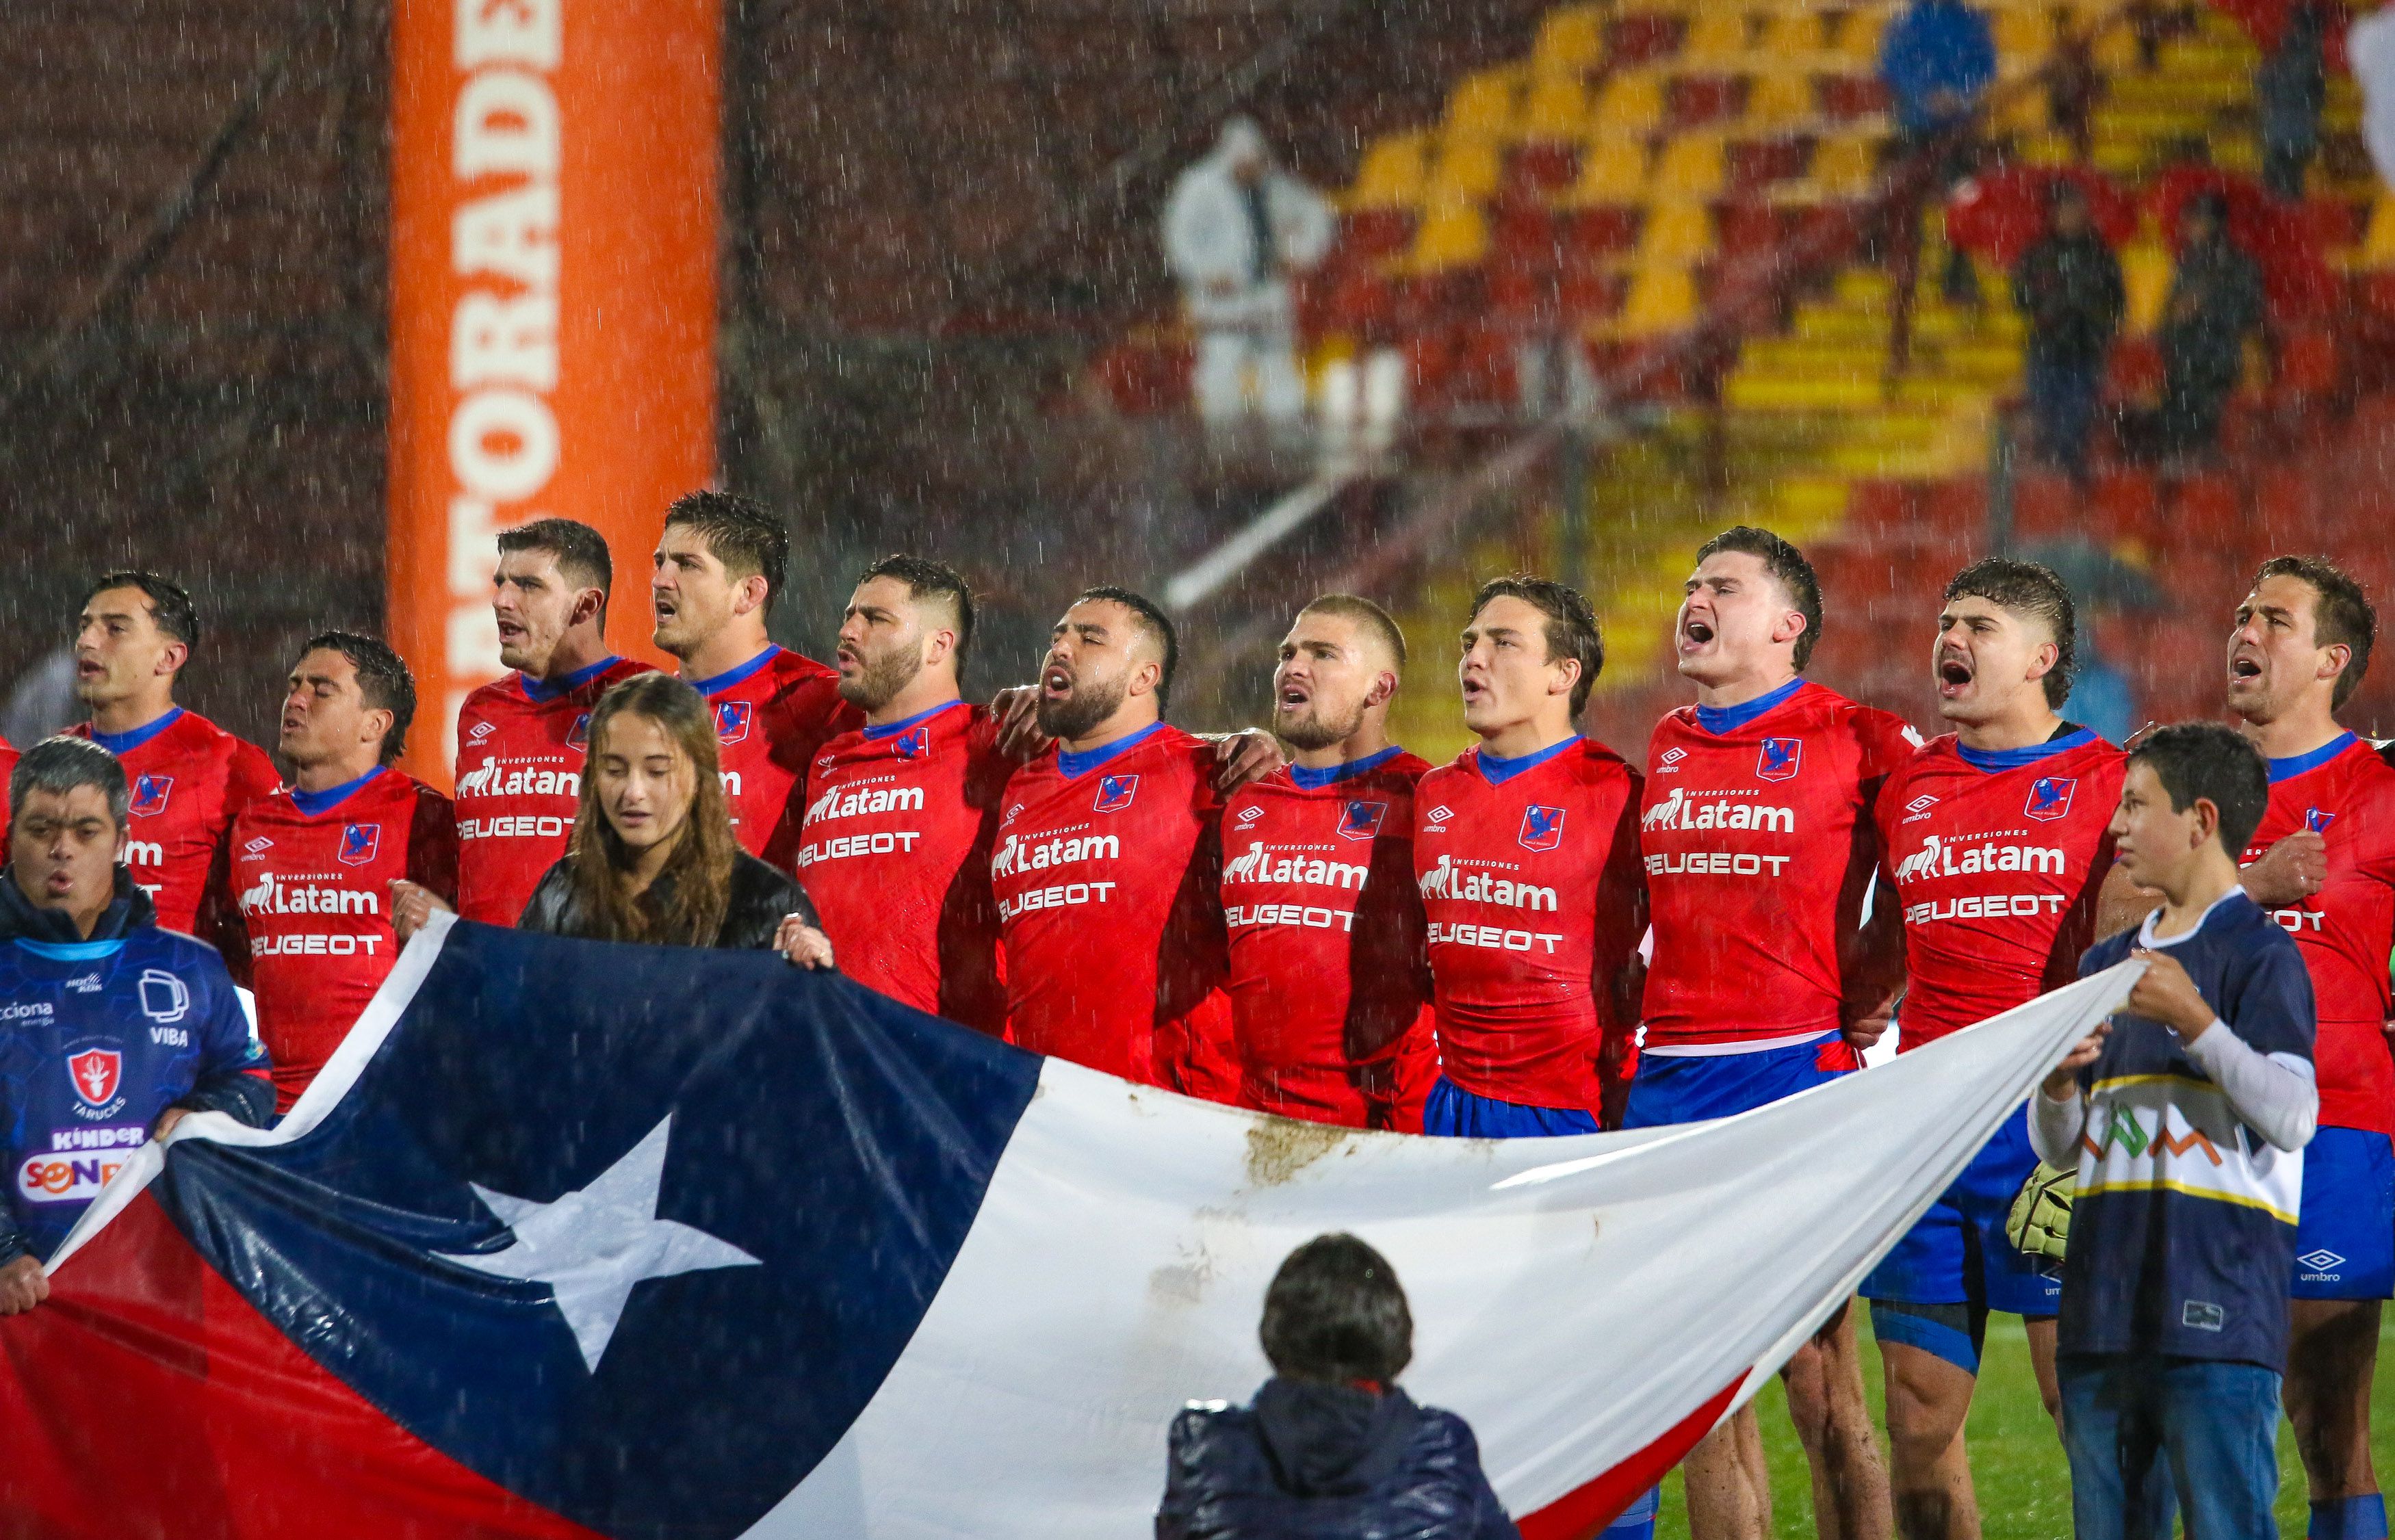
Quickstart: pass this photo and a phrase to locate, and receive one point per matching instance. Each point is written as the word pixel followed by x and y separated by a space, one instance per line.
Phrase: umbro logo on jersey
pixel 1114 793
pixel 479 731
pixel 1779 758
pixel 2320 1260
pixel 260 843
pixel 731 719
pixel 1543 828
pixel 1250 813
pixel 149 794
pixel 2317 821
pixel 1672 756
pixel 1362 820
pixel 1438 815
pixel 359 843
pixel 1012 814
pixel 1920 804
pixel 2049 796
pixel 578 735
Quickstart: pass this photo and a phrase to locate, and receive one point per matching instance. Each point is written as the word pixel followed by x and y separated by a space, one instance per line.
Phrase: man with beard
pixel 901 813
pixel 1329 977
pixel 1107 870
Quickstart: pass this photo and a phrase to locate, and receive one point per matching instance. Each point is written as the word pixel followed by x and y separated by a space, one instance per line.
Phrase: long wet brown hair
pixel 685 905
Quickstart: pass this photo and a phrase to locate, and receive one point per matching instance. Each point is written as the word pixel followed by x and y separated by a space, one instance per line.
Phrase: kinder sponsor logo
pixel 860 801
pixel 1017 854
pixel 272 895
pixel 2049 796
pixel 149 793
pixel 66 1178
pixel 69 1140
pixel 1939 857
pixel 1259 865
pixel 492 778
pixel 1680 811
pixel 96 1073
pixel 1443 881
pixel 1779 759
pixel 1063 895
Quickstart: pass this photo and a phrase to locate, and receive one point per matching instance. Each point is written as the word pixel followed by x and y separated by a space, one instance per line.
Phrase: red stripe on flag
pixel 1585 1511
pixel 147 1398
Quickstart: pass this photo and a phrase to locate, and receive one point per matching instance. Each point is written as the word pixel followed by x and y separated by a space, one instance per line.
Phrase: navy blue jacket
pixel 98 1036
pixel 1327 1462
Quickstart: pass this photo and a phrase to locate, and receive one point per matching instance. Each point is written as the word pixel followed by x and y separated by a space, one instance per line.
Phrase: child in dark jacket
pixel 1330 1449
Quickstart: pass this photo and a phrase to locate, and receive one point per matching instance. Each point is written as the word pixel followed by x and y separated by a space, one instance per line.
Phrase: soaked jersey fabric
pixel 774 714
pixel 1329 976
pixel 895 850
pixel 313 872
pixel 189 779
pixel 1528 874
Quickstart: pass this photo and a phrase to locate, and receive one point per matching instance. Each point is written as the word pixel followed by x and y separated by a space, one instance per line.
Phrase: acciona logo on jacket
pixel 1443 881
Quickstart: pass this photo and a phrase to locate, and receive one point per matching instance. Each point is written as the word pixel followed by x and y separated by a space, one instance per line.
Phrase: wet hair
pixel 580 552
pixel 2215 762
pixel 1155 622
pixel 384 682
pixel 686 902
pixel 2036 593
pixel 925 578
pixel 1335 1313
pixel 59 765
pixel 2342 614
pixel 1366 614
pixel 1572 629
pixel 1788 567
pixel 740 533
pixel 170 605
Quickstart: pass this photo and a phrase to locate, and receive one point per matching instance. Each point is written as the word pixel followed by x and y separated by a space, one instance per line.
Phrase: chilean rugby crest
pixel 150 794
pixel 1362 820
pixel 578 735
pixel 1543 828
pixel 2317 821
pixel 359 842
pixel 96 1073
pixel 1778 759
pixel 913 743
pixel 1114 793
pixel 2049 797
pixel 731 719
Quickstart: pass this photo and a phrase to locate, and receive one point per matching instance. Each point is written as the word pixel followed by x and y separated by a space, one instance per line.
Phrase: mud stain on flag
pixel 1279 1147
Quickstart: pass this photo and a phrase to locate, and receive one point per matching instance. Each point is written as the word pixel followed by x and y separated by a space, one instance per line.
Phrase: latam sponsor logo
pixel 27 1010
pixel 1063 895
pixel 149 794
pixel 66 1178
pixel 858 802
pixel 1017 854
pixel 272 895
pixel 492 778
pixel 516 826
pixel 888 842
pixel 360 843
pixel 577 737
pixel 1680 811
pixel 2049 796
pixel 1542 827
pixel 1362 820
pixel 1939 857
pixel 1114 793
pixel 96 1073
pixel 163 996
pixel 2317 821
pixel 1255 916
pixel 1496 938
pixel 1443 881
pixel 732 721
pixel 1779 759
pixel 1258 865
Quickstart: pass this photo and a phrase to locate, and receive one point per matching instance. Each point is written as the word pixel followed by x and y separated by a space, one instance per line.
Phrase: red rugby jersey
pixel 774 714
pixel 1997 858
pixel 1108 872
pixel 190 779
pixel 520 749
pixel 2344 792
pixel 314 873
pixel 1330 973
pixel 1533 901
pixel 1759 846
pixel 8 764
pixel 895 852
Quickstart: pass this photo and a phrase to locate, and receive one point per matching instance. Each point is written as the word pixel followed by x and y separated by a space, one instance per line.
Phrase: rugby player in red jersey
pixel 190 778
pixel 901 813
pixel 521 738
pixel 718 570
pixel 1526 857
pixel 2299 649
pixel 1759 852
pixel 8 764
pixel 1107 869
pixel 1329 979
pixel 1996 847
pixel 318 865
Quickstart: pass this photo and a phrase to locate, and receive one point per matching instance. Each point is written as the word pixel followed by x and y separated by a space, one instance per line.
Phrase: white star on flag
pixel 593 1244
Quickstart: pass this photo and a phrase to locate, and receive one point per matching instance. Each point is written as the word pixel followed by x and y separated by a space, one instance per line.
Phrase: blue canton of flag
pixel 1114 793
pixel 1779 758
pixel 1543 828
pixel 359 843
pixel 2049 797
pixel 149 794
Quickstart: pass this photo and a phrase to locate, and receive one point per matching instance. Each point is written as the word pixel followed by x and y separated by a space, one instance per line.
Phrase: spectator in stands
pixel 1236 229
pixel 2067 287
pixel 1939 60
pixel 1330 1449
pixel 2370 53
pixel 2215 301
pixel 2289 90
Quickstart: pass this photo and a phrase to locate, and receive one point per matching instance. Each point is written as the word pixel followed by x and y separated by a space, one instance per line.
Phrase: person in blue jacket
pixel 111 1030
pixel 1938 59
pixel 1330 1449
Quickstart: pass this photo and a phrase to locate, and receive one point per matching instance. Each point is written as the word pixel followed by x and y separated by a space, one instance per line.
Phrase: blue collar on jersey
pixel 1994 760
pixel 538 690
pixel 1314 780
pixel 126 742
pixel 312 803
pixel 1497 769
pixel 1077 764
pixel 892 730
pixel 2296 764
pixel 73 952
pixel 730 676
pixel 1718 719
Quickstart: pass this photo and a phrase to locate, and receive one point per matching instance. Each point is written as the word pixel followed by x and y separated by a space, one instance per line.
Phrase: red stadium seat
pixel 1845 96
pixel 1642 36
pixel 1699 100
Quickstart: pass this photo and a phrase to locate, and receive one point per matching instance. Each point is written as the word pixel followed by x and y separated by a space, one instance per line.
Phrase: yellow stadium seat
pixel 2023 112
pixel 1845 168
pixel 1468 170
pixel 1858 40
pixel 1391 175
pixel 2116 51
pixel 1691 166
pixel 1780 101
pixel 1571 40
pixel 1612 171
pixel 1677 234
pixel 1661 301
pixel 1630 102
pixel 1557 110
pixel 2024 36
pixel 2377 248
pixel 1483 104
pixel 1793 38
pixel 2146 275
pixel 1453 235
pixel 1716 40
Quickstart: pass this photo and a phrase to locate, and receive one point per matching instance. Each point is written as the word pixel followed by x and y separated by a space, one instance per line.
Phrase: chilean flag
pixel 572 1238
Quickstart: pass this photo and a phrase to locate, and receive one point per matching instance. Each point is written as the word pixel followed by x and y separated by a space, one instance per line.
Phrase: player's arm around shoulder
pixel 231 1075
